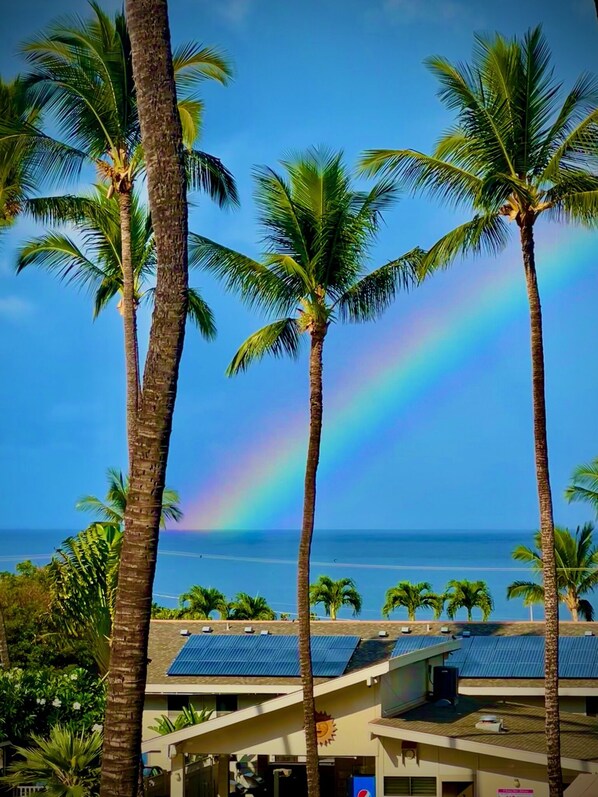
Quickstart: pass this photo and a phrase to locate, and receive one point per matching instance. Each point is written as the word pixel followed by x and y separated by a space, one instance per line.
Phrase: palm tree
pixel 65 765
pixel 410 596
pixel 334 595
pixel 584 485
pixel 437 601
pixel 577 570
pixel 468 595
pixel 17 167
pixel 199 603
pixel 244 607
pixel 27 156
pixel 517 152
pixel 162 136
pixel 83 69
pixel 318 231
pixel 83 580
pixel 97 265
pixel 113 508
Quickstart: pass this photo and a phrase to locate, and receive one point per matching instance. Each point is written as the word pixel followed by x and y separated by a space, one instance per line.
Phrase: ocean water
pixel 264 562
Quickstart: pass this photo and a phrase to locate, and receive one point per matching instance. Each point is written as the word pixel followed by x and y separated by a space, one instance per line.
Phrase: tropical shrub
pixel 66 764
pixel 189 716
pixel 35 701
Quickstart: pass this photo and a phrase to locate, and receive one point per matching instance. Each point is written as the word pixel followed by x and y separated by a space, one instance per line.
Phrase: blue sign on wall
pixel 362 786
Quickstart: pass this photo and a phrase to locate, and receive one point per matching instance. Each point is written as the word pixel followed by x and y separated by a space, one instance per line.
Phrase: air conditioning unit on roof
pixel 207 629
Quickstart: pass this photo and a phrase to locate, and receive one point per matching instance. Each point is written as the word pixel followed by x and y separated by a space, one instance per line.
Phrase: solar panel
pixel 408 644
pixel 523 657
pixel 261 655
pixel 512 656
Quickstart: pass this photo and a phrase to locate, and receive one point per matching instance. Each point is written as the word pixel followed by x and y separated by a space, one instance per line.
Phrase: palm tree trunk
pixel 332 612
pixel 147 21
pixel 4 656
pixel 572 602
pixel 303 606
pixel 129 317
pixel 551 597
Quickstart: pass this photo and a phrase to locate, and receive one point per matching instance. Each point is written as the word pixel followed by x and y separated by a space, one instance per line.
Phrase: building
pixel 376 717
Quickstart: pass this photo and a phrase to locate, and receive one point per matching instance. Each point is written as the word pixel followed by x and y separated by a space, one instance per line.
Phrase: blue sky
pixel 347 74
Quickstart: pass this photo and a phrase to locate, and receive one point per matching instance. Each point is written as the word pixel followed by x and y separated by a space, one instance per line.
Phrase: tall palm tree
pixel 66 764
pixel 333 595
pixel 584 485
pixel 318 231
pixel 162 136
pixel 199 603
pixel 97 264
pixel 518 151
pixel 113 508
pixel 468 595
pixel 83 69
pixel 410 596
pixel 577 570
pixel 245 607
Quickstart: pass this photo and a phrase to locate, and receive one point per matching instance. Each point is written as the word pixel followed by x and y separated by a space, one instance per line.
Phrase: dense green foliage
pixel 35 700
pixel 25 598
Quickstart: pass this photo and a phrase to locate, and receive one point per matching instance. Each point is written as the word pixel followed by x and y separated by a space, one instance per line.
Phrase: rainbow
pixel 417 354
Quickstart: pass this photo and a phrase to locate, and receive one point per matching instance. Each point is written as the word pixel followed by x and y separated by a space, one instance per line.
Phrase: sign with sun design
pixel 325 728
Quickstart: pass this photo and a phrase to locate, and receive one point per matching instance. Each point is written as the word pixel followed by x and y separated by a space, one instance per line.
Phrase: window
pixel 592 706
pixel 409 787
pixel 177 702
pixel 226 703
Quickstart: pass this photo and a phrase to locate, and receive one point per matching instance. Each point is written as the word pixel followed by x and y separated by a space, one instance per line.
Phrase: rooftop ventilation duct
pixel 207 629
pixel 382 633
pixel 249 629
pixel 184 632
pixel 490 723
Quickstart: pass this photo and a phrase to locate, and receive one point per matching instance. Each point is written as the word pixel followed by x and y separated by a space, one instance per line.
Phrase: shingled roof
pixel 166 641
pixel 524 727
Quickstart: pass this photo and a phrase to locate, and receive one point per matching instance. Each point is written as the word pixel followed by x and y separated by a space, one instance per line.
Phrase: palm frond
pixel 194 63
pixel 255 283
pixel 483 234
pixel 208 174
pixel 201 314
pixel 430 173
pixel 375 292
pixel 58 252
pixel 280 338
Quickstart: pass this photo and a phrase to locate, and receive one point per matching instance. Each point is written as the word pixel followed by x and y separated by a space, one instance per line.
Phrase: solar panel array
pixel 261 655
pixel 513 656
